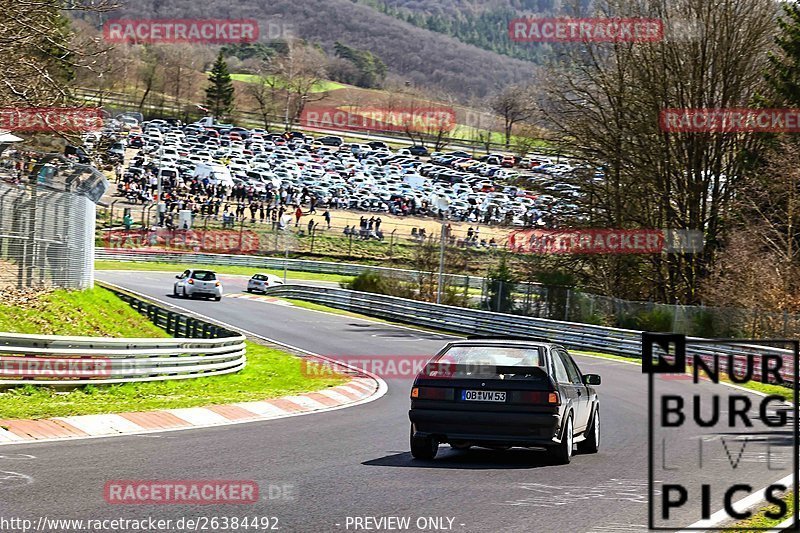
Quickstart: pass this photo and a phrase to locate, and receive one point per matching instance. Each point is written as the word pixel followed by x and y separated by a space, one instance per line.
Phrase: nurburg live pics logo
pixel 743 441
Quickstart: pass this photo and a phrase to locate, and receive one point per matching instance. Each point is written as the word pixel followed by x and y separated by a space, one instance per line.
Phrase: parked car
pixel 418 150
pixel 331 140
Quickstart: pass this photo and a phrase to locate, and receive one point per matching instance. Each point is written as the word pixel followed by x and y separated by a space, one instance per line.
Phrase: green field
pixel 269 372
pixel 319 87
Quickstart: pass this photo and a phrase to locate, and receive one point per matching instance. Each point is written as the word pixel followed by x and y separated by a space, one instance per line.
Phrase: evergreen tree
pixel 501 285
pixel 219 95
pixel 784 72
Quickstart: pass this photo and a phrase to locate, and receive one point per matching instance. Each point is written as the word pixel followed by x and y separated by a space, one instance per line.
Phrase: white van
pixel 215 173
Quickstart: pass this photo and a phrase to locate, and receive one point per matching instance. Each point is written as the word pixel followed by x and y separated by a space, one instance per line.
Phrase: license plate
pixel 483 396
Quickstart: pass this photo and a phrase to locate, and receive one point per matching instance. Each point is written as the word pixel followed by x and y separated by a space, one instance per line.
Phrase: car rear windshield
pixel 260 277
pixel 204 275
pixel 489 360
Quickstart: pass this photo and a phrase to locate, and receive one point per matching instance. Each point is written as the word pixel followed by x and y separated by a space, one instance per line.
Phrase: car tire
pixel 248 289
pixel 184 293
pixel 217 298
pixel 175 291
pixel 561 453
pixel 423 447
pixel 592 442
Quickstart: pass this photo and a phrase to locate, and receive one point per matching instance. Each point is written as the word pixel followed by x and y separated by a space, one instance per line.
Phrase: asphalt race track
pixel 355 462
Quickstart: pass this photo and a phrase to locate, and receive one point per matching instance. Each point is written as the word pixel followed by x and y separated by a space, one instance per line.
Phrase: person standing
pixel 297 214
pixel 327 216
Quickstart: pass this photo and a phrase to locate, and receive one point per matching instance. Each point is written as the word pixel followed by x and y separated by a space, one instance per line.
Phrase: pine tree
pixel 784 75
pixel 219 95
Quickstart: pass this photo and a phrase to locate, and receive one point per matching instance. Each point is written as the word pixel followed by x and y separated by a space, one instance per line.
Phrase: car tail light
pixel 216 284
pixel 540 397
pixel 429 393
pixel 191 281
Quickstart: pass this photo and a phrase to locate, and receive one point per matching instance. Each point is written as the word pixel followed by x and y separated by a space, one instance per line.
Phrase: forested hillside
pixel 422 57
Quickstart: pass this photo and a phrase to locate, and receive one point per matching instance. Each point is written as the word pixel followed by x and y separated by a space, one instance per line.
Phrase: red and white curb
pixel 358 390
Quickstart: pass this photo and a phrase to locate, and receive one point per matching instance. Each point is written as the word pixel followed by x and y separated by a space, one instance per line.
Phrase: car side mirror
pixel 178 276
pixel 591 379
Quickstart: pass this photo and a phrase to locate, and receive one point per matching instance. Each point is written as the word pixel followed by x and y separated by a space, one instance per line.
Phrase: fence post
pixel 499 295
pixel 566 306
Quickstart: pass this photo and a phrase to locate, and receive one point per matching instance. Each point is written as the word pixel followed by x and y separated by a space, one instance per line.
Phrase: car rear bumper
pixel 490 427
pixel 205 292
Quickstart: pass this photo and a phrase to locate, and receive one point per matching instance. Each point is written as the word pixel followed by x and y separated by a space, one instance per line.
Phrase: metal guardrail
pixel 586 337
pixel 273 263
pixel 204 349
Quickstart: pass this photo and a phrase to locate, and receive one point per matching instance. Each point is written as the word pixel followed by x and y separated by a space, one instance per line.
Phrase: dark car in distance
pixel 499 393
pixel 418 150
pixel 331 140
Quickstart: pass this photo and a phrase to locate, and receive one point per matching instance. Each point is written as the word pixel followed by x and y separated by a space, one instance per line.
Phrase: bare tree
pixel 300 72
pixel 606 100
pixel 513 104
pixel 266 93
pixel 39 52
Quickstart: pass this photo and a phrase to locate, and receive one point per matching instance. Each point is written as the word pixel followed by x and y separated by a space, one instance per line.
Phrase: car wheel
pixel 184 293
pixel 423 447
pixel 248 289
pixel 592 442
pixel 175 290
pixel 217 298
pixel 562 452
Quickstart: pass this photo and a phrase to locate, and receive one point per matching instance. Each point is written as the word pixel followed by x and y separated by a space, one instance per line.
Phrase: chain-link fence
pixel 561 303
pixel 47 218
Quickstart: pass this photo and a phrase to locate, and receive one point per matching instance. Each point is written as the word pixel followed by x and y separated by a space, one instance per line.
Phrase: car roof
pixel 504 341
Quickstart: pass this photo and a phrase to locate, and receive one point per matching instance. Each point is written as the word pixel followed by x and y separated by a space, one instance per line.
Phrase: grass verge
pixel 97 312
pixel 219 269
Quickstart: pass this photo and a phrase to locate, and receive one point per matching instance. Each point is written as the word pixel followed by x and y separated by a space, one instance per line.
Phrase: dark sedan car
pixel 500 393
pixel 418 150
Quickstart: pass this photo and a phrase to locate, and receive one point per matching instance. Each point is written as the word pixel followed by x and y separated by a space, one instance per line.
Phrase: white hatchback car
pixel 198 283
pixel 259 282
